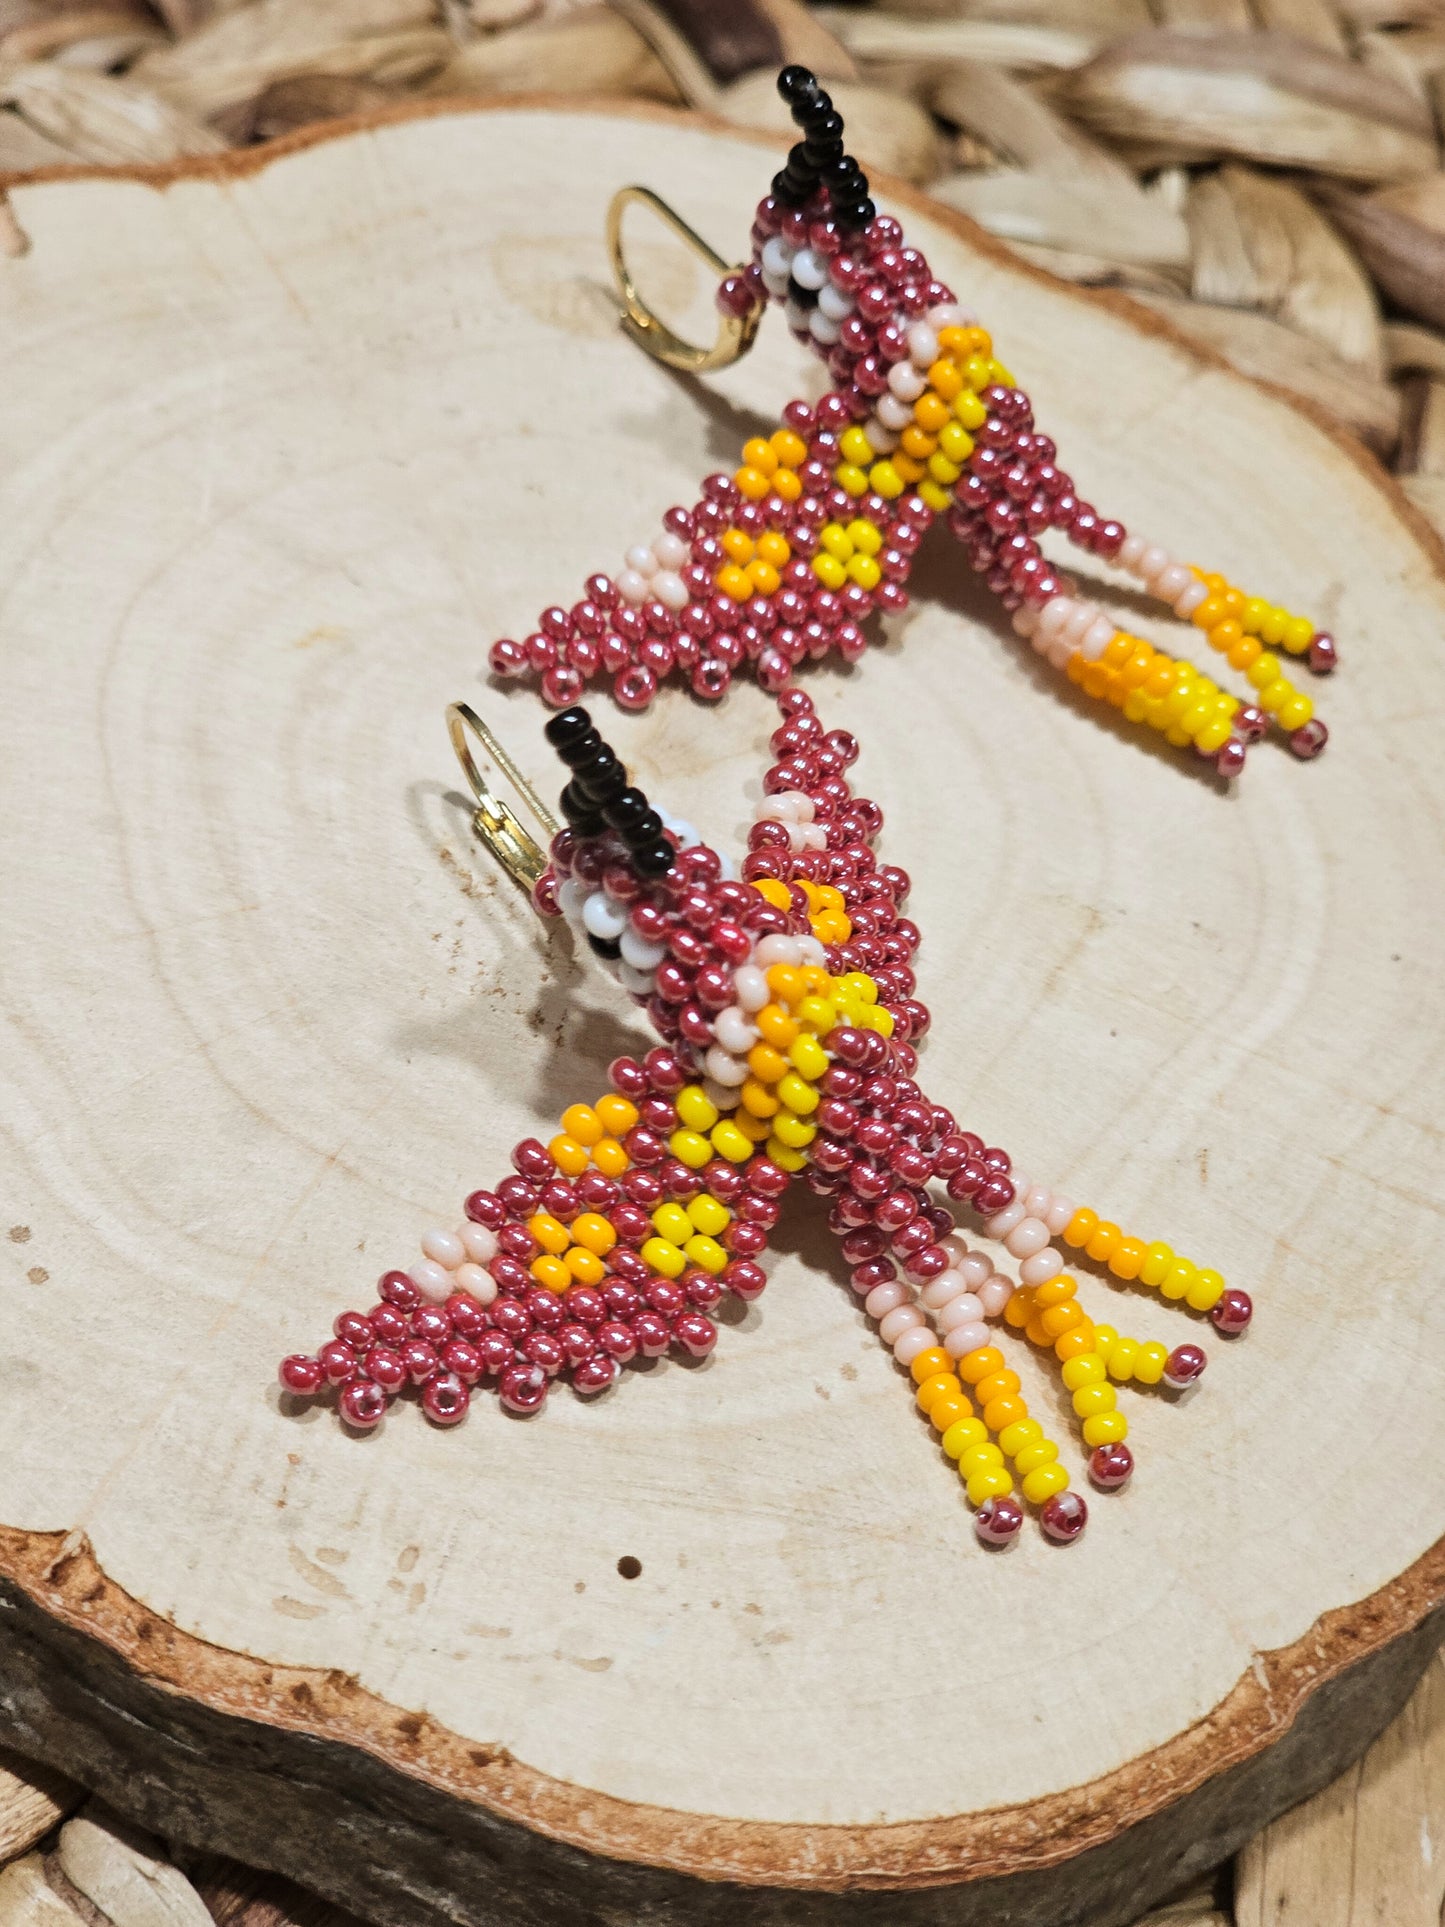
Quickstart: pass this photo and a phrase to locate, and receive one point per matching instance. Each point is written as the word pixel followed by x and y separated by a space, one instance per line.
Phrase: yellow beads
pixel 1155 1265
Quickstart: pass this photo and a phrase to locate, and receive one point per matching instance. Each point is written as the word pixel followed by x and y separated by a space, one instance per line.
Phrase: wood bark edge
pixel 57 1576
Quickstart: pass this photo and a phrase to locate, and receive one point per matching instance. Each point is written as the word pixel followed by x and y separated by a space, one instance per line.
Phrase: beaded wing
pixel 783 1000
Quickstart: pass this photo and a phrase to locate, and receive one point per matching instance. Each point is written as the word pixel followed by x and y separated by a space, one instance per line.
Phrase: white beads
pixel 994 1293
pixel 902 1318
pixel 1042 1266
pixel 432 1280
pixel 726 1068
pixel 809 270
pixel 734 1032
pixel 481 1284
pixel 1003 1222
pixel 603 918
pixel 479 1244
pixel 750 987
pixel 823 328
pixel 885 1298
pixel 918 1339
pixel 670 590
pixel 671 551
pixel 966 1309
pixel 777 950
pixel 1028 1236
pixel 835 303
pixel 905 381
pixel 1057 1216
pixel 964 1339
pixel 444 1248
pixel 777 257
pixel 894 414
pixel 639 952
pixel 1096 638
pixel 1190 600
pixel 922 345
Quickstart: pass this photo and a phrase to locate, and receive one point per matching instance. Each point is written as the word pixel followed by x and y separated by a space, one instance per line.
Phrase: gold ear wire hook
pixel 735 332
pixel 514 847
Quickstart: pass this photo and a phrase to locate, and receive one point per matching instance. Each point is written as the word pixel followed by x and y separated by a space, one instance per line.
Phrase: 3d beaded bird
pixel 784 1002
pixel 817 529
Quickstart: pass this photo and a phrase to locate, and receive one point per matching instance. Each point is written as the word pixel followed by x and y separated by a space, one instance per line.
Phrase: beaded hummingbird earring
pixel 784 1002
pixel 817 528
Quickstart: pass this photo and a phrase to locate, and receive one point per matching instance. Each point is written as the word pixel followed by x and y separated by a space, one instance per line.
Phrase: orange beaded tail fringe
pixel 817 528
pixel 784 1002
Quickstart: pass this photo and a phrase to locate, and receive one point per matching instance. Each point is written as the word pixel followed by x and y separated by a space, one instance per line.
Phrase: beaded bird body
pixel 784 1001
pixel 817 528
pixel 783 994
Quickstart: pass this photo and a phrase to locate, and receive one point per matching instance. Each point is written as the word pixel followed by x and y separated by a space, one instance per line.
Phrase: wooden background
pixel 295 552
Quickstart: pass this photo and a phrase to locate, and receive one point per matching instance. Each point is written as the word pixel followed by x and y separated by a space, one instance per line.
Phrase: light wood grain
pixel 1369 1848
pixel 311 436
pixel 32 1801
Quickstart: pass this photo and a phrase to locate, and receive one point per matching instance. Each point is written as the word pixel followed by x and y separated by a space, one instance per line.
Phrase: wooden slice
pixel 288 441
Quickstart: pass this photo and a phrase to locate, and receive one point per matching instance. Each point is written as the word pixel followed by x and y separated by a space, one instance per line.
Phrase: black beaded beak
pixel 819 159
pixel 599 797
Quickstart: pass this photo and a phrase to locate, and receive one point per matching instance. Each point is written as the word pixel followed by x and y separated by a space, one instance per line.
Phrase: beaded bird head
pixel 783 1000
pixel 787 558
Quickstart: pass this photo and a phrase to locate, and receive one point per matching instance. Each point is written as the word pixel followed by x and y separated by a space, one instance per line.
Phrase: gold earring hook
pixel 509 841
pixel 735 332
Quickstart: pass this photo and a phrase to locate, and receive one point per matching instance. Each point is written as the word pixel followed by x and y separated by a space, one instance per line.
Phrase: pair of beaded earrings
pixel 783 993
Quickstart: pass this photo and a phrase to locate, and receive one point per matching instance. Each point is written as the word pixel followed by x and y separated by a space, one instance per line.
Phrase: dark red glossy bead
pixel 577 1343
pixel 996 1195
pixel 397 1289
pixel 929 1263
pixel 695 1333
pixel 389 1326
pixel 623 1301
pixel 519 1196
pixel 1111 1466
pixel 511 1275
pixel 301 1374
pixel 1064 1517
pixel 511 1318
pixel 544 1349
pixel 746 1240
pixel 431 1324
pixel 545 1309
pixel 523 1388
pixel 594 1374
pixel 997 1521
pixel 445 1399
pixel 469 1319
pixel 497 1352
pixel 385 1367
pixel 516 1241
pixel 339 1362
pixel 617 1340
pixel 1183 1366
pixel 766 1177
pixel 703 1288
pixel 362 1405
pixel 744 1278
pixel 587 1306
pixel 652 1333
pixel 665 1296
pixel 353 1328
pixel 1232 1312
pixel 420 1360
pixel 460 1356
pixel 628 1076
pixel 533 1161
